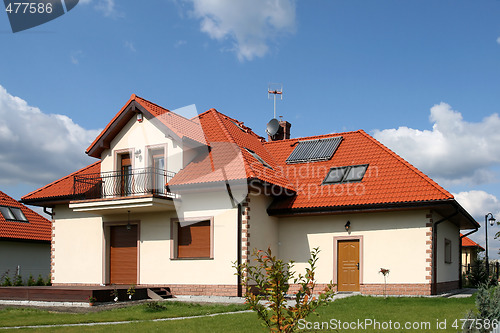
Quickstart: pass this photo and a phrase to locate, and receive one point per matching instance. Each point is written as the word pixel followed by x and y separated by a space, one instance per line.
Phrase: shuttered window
pixel 194 239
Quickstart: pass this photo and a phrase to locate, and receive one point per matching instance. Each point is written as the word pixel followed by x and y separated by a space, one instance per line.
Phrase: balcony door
pixel 125 174
pixel 157 163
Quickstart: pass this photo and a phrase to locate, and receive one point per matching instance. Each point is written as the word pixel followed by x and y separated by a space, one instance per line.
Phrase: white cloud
pixel 106 7
pixel 75 57
pixel 250 25
pixel 498 40
pixel 179 43
pixel 35 147
pixel 129 45
pixel 478 204
pixel 454 151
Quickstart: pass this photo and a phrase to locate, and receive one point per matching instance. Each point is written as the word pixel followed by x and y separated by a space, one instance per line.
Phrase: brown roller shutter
pixel 123 255
pixel 194 240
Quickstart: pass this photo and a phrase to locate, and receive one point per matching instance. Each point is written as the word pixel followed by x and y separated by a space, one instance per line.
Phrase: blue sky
pixel 421 76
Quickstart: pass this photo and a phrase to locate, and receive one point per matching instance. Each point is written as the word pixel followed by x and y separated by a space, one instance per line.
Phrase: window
pixel 258 158
pixel 13 214
pixel 192 239
pixel 447 251
pixel 345 174
pixel 238 125
pixel 314 150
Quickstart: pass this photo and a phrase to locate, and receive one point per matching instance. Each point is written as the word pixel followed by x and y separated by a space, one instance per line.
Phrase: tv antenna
pixel 275 89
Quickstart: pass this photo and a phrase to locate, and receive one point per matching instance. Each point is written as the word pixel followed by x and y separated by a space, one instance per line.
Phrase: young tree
pixel 268 280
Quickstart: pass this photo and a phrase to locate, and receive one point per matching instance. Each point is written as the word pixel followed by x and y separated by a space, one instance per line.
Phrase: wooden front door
pixel 123 255
pixel 348 265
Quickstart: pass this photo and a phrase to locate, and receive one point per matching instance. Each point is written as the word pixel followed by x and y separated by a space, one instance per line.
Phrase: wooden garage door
pixel 348 265
pixel 123 255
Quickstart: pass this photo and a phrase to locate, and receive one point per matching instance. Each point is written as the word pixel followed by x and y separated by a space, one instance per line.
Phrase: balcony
pixel 118 192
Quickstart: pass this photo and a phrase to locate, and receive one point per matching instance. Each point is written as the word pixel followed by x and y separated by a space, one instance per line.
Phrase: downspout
pixel 460 262
pixel 239 289
pixel 434 251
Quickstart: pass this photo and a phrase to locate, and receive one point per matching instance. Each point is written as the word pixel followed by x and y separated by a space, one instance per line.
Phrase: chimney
pixel 283 131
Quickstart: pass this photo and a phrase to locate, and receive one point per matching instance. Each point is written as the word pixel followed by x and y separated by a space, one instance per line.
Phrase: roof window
pixel 258 158
pixel 345 174
pixel 13 214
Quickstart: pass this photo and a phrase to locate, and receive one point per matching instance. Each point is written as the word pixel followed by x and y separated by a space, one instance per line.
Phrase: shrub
pixel 31 281
pixel 40 281
pixel 488 310
pixel 18 280
pixel 271 277
pixel 154 307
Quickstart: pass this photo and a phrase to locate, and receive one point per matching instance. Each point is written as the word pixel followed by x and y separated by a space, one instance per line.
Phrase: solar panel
pixel 314 150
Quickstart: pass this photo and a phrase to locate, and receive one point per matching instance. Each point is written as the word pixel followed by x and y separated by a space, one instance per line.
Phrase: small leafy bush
pixel 269 280
pixel 40 281
pixel 154 307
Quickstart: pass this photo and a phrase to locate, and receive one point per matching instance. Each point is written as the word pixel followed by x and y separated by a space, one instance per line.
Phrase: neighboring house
pixel 24 240
pixel 470 249
pixel 229 192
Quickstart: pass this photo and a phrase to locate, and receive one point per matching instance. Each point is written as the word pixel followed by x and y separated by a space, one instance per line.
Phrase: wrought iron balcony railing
pixel 122 184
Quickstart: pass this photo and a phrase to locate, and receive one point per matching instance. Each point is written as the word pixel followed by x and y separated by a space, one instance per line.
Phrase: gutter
pixel 51 213
pixel 434 251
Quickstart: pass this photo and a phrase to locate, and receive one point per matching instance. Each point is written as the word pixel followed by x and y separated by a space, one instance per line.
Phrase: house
pixel 176 201
pixel 470 249
pixel 24 240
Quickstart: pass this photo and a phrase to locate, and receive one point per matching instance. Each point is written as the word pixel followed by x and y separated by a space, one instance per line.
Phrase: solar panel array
pixel 314 150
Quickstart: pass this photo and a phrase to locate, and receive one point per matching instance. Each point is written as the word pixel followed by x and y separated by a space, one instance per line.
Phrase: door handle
pixel 357 265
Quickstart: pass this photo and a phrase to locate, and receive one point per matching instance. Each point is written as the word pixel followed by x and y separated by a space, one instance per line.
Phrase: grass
pixel 349 309
pixel 13 316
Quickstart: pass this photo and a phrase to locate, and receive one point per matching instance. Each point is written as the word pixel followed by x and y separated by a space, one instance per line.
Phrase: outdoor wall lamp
pixel 129 226
pixel 347 226
pixel 491 220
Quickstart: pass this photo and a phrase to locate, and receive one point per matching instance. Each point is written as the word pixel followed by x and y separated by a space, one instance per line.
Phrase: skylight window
pixel 13 214
pixel 239 126
pixel 258 158
pixel 345 174
pixel 314 150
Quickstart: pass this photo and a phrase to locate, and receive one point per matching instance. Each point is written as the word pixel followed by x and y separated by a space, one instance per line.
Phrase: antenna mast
pixel 275 89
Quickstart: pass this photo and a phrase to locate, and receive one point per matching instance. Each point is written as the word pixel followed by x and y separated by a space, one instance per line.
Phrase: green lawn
pixel 401 310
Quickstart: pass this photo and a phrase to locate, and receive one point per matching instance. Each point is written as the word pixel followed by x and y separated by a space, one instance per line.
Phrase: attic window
pixel 258 158
pixel 314 150
pixel 345 174
pixel 239 126
pixel 13 214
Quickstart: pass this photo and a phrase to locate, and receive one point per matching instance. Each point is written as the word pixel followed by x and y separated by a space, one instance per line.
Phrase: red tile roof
pixel 38 227
pixel 388 179
pixel 228 159
pixel 61 188
pixel 467 242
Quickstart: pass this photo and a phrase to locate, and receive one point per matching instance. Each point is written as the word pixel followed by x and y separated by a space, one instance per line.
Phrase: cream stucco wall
pixel 393 240
pixel 79 242
pixel 82 245
pixel 31 257
pixel 264 230
pixel 447 271
pixel 140 135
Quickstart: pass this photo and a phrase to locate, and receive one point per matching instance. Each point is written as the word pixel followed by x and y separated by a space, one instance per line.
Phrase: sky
pixel 421 76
